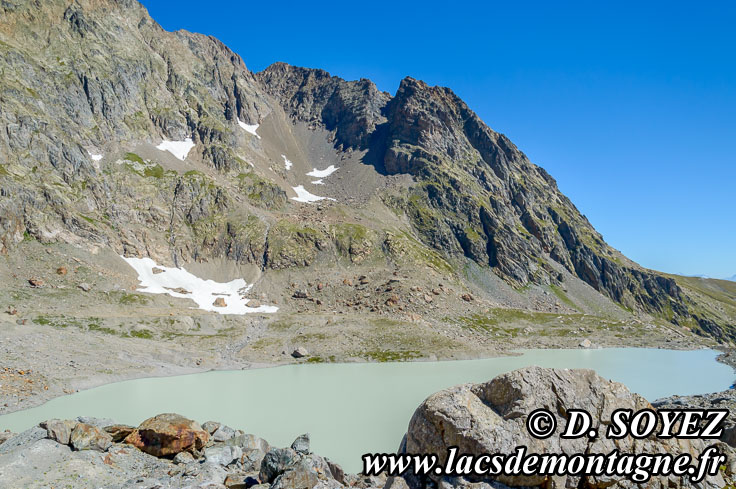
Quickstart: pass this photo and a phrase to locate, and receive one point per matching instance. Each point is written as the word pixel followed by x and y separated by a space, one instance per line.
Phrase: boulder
pixel 183 458
pixel 275 463
pixel 307 473
pixel 59 430
pixel 337 473
pixel 240 481
pixel 491 418
pixel 301 444
pixel 300 352
pixel 223 433
pixel 222 455
pixel 119 432
pixel 88 437
pixel 210 426
pixel 168 434
pixel 219 302
pixel 586 343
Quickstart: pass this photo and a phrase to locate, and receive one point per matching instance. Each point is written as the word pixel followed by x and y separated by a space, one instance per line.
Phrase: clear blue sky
pixel 631 107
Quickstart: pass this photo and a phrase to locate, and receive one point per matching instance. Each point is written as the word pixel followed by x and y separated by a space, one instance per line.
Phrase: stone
pixel 301 444
pixel 300 294
pixel 183 458
pixel 61 271
pixel 36 282
pixel 157 270
pixel 85 286
pixel 98 422
pixel 240 481
pixel 223 433
pixel 5 436
pixel 222 455
pixel 219 302
pixel 491 418
pixel 428 298
pixel 300 352
pixel 337 472
pixel 210 426
pixel 586 343
pixel 168 434
pixel 395 482
pixel 88 437
pixel 59 430
pixel 467 298
pixel 119 432
pixel 275 463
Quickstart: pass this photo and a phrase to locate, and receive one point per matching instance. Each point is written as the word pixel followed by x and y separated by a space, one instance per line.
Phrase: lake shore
pixel 80 360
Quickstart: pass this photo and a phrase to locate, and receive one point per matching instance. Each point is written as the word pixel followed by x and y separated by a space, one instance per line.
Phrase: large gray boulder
pixel 491 418
pixel 59 430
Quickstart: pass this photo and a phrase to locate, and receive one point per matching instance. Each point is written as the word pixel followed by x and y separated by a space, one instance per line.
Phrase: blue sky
pixel 632 108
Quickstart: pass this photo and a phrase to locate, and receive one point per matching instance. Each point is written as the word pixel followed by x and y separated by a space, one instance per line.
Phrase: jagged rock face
pixel 491 418
pixel 477 195
pixel 352 110
pixel 79 76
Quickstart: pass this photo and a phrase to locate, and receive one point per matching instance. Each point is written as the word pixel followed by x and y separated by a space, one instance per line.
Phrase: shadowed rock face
pixel 491 418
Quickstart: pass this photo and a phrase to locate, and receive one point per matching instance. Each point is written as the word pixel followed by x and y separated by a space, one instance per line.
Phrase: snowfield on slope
pixel 204 292
pixel 180 149
pixel 287 162
pixel 251 128
pixel 302 195
pixel 323 173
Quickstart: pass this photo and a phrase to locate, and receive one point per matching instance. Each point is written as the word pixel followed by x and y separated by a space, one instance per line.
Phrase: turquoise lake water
pixel 351 409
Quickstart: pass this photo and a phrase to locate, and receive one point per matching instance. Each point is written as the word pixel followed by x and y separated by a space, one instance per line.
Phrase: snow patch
pixel 318 182
pixel 251 128
pixel 323 173
pixel 94 156
pixel 303 196
pixel 287 162
pixel 180 149
pixel 204 292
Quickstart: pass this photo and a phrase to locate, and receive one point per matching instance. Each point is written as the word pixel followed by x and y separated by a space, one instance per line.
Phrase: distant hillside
pixel 117 135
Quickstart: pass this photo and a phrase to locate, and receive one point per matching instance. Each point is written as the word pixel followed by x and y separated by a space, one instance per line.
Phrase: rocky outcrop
pixel 477 195
pixel 230 459
pixel 491 418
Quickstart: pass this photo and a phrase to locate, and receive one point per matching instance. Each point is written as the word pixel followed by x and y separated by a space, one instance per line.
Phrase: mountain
pixel 120 138
pixel 732 278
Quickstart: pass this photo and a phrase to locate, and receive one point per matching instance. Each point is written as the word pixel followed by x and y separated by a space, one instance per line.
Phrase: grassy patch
pixel 562 296
pixel 393 356
pixel 134 158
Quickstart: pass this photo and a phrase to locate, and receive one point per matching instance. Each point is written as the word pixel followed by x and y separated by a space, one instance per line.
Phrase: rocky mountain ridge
pixel 91 88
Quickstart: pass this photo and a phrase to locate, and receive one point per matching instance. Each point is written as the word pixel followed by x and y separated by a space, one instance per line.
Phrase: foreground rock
pixel 168 434
pixel 86 454
pixel 491 418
